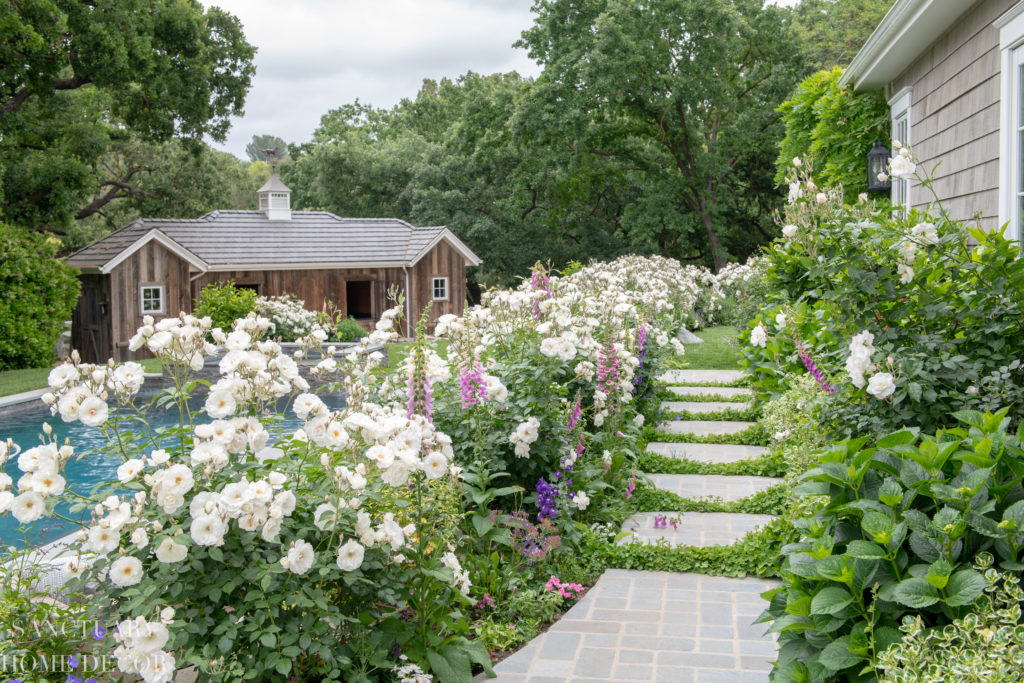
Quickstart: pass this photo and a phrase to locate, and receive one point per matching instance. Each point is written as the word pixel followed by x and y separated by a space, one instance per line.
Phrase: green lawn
pixel 720 350
pixel 397 352
pixel 17 381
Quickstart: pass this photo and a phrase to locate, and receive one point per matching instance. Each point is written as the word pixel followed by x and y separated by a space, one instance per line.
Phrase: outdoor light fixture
pixel 878 163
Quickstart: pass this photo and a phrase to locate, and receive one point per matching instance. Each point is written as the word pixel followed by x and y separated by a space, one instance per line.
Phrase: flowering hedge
pixel 347 551
pixel 906 318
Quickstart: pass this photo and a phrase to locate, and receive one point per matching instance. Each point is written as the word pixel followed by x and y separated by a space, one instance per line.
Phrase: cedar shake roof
pixel 237 240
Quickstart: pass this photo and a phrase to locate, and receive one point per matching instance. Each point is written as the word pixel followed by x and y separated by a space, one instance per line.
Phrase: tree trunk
pixel 713 242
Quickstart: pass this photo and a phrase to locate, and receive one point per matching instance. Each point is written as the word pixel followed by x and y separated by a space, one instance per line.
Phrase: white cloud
pixel 315 55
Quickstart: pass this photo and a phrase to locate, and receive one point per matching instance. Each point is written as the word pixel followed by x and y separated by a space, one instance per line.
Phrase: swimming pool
pixel 89 466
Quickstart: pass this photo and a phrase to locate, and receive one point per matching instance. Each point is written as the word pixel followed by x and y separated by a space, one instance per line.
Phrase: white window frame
pixel 1011 121
pixel 433 288
pixel 142 299
pixel 899 108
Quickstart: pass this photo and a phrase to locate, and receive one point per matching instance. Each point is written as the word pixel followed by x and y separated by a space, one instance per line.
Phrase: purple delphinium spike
pixel 818 375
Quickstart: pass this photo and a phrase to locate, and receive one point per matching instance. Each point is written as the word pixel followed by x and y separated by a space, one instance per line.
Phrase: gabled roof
pixel 247 240
pixel 902 36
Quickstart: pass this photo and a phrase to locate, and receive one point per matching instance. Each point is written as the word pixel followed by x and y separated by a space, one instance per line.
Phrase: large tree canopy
pixel 78 77
pixel 832 32
pixel 684 91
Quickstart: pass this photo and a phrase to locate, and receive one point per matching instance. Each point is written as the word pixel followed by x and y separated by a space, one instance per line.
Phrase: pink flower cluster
pixel 566 590
pixel 608 369
pixel 540 280
pixel 472 385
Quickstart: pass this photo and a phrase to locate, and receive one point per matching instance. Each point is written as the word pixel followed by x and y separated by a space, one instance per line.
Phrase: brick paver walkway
pixel 662 626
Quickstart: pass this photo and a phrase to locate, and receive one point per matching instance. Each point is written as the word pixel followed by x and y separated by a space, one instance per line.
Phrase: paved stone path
pixel 707 452
pixel 653 626
pixel 698 486
pixel 663 626
pixel 704 427
pixel 702 406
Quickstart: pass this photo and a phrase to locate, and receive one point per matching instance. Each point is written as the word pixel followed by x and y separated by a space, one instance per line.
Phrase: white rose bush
pixel 903 317
pixel 355 546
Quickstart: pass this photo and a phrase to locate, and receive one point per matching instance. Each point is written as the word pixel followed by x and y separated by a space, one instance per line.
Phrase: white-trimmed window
pixel 440 288
pixel 899 106
pixel 1011 120
pixel 151 299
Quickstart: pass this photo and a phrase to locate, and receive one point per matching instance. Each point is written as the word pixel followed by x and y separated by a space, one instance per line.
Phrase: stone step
pixel 698 486
pixel 707 452
pixel 701 529
pixel 723 392
pixel 653 626
pixel 702 406
pixel 697 376
pixel 704 427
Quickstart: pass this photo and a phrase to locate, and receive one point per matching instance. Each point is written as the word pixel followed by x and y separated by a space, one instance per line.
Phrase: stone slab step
pixel 698 486
pixel 704 427
pixel 701 529
pixel 653 626
pixel 697 376
pixel 723 392
pixel 706 452
pixel 702 406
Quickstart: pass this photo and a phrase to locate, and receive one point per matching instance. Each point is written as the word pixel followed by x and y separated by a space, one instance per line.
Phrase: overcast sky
pixel 315 55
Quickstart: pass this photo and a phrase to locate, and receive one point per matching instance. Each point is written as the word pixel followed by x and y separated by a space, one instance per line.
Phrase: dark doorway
pixel 358 299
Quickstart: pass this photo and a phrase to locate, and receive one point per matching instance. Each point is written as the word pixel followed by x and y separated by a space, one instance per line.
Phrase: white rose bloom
pixel 285 502
pixel 906 273
pixel 901 167
pixel 125 571
pixel 759 336
pixel 151 637
pixel 780 320
pixel 102 540
pixel 220 404
pixel 129 470
pixel 270 530
pixel 881 385
pixel 28 507
pixel 581 500
pixel 62 375
pixel 237 341
pixel 93 411
pixel 300 557
pixel 207 530
pixel 159 456
pixel 140 538
pixel 350 556
pixel 159 341
pixel 170 551
pixel 789 231
pixel 925 233
pixel 157 667
pixel 435 465
pixel 6 498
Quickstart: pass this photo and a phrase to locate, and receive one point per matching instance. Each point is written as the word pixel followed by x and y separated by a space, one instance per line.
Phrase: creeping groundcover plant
pixel 376 542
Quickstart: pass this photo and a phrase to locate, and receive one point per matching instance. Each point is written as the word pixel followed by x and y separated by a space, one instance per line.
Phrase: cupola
pixel 275 199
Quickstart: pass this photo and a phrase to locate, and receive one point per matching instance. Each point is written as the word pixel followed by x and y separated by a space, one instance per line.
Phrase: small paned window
pixel 152 299
pixel 440 289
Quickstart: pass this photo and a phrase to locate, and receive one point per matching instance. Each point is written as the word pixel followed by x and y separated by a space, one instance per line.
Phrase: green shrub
pixel 794 423
pixel 984 646
pixel 37 294
pixel 349 329
pixel 224 303
pixel 903 521
pixel 833 126
pixel 942 301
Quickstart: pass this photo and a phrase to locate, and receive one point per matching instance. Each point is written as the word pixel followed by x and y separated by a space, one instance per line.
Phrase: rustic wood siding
pixel 153 264
pixel 315 287
pixel 90 330
pixel 442 261
pixel 954 115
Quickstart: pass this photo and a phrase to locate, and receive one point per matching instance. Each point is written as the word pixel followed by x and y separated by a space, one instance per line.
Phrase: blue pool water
pixel 89 466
